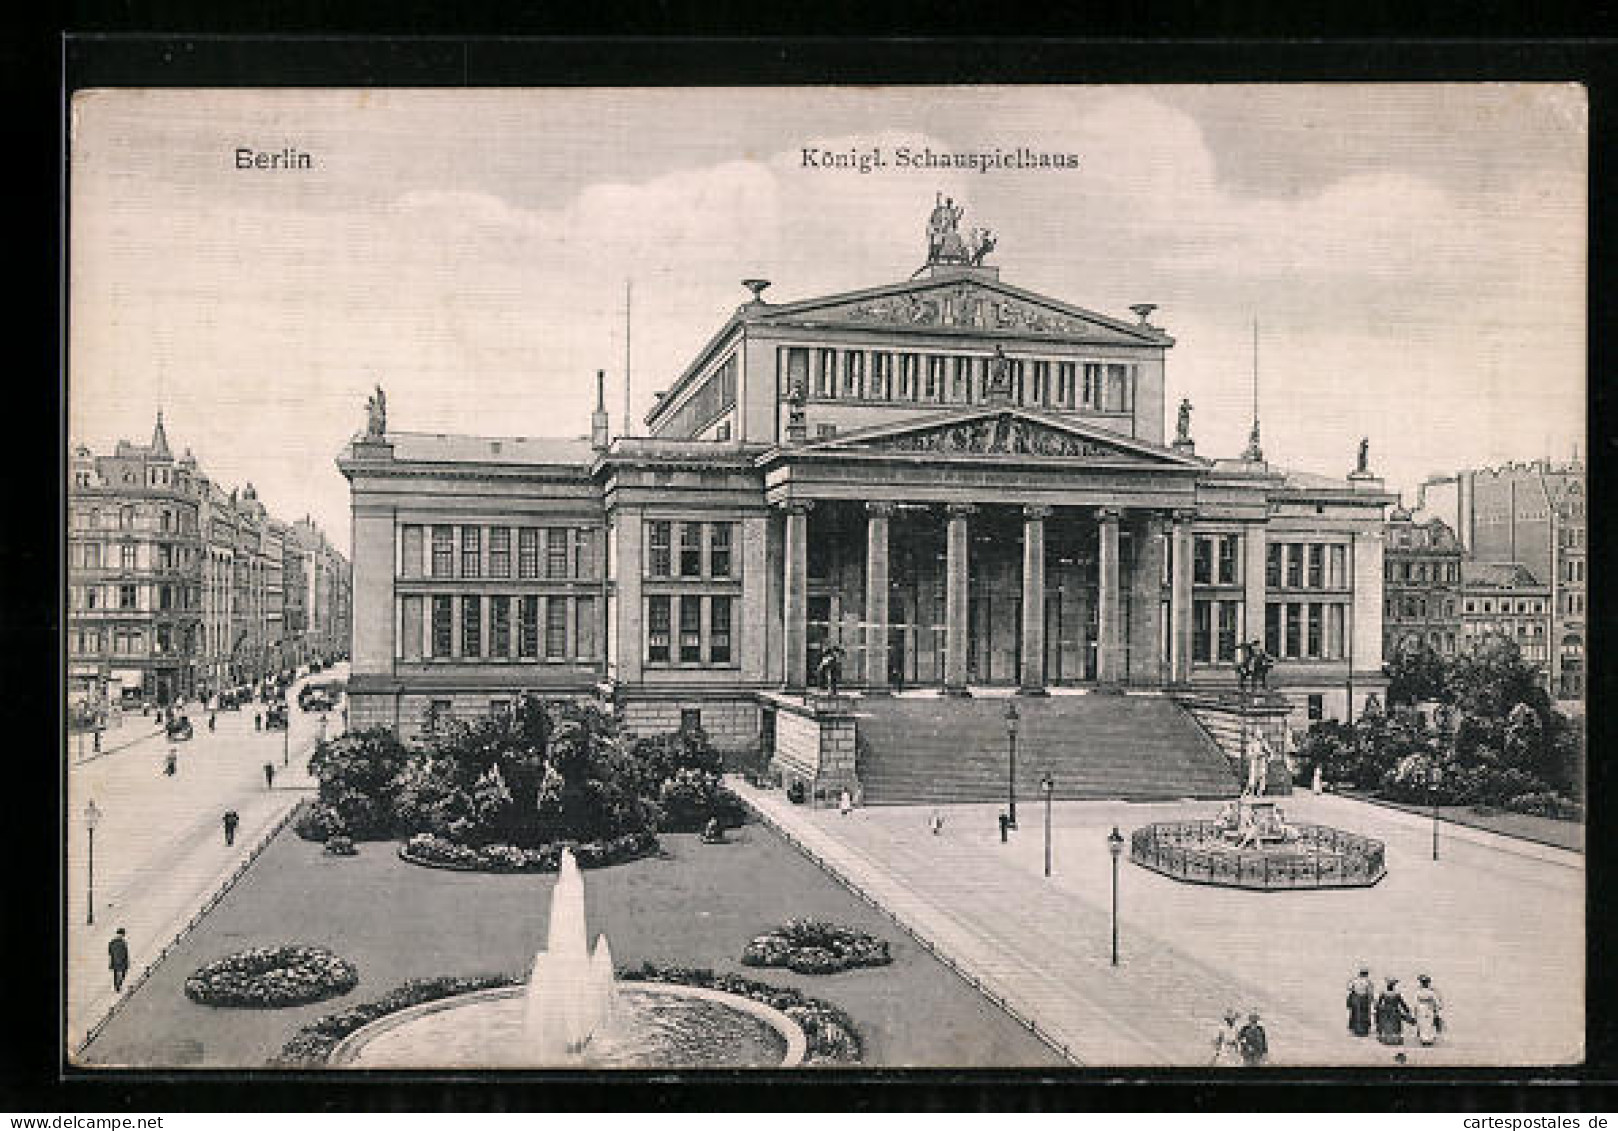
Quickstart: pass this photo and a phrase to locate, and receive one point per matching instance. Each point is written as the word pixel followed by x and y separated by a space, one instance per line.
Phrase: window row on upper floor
pixel 529 553
pixel 826 373
pixel 1421 571
pixel 130 516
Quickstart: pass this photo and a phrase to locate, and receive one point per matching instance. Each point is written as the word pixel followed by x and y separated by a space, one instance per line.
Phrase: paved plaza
pixel 1498 924
pixel 159 848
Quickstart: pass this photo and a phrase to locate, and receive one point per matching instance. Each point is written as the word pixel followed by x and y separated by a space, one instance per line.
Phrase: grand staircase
pixel 1135 747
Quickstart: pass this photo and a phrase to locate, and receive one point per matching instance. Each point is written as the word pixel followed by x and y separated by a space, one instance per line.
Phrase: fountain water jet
pixel 571 988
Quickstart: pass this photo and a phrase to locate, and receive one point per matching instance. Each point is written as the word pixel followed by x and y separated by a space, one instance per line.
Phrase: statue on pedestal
pixel 1182 430
pixel 1362 465
pixel 376 415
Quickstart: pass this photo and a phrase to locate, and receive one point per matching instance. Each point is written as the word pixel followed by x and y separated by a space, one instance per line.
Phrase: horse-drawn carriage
pixel 276 717
pixel 178 728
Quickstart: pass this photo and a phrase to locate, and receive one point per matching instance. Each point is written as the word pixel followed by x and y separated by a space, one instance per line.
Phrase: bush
pixel 272 977
pixel 341 846
pixel 319 822
pixel 427 848
pixel 357 774
pixel 1546 805
pixel 809 946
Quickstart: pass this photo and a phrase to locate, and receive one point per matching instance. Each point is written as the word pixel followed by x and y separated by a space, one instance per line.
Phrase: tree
pixel 1417 674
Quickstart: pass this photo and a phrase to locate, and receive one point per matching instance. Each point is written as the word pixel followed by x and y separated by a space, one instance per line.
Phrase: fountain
pixel 574 1013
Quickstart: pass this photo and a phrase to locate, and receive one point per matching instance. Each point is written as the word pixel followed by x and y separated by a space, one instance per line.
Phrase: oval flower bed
pixel 809 946
pixel 434 851
pixel 272 977
pixel 832 1036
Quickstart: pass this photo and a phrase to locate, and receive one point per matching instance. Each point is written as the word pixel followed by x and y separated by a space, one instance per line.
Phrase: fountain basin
pixel 1201 852
pixel 658 1025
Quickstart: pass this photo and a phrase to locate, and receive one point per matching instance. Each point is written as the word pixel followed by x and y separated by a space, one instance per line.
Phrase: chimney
pixel 599 438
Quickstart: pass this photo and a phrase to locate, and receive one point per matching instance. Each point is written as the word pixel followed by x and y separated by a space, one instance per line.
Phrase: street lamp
pixel 1443 716
pixel 1047 787
pixel 1115 845
pixel 1011 764
pixel 92 818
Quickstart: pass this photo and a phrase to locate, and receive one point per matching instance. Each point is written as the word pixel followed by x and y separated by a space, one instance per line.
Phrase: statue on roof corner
pixel 1362 467
pixel 1182 431
pixel 944 243
pixel 376 415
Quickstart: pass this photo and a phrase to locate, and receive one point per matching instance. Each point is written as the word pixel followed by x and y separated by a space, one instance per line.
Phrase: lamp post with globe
pixel 1011 764
pixel 1047 787
pixel 92 818
pixel 1115 845
pixel 1444 716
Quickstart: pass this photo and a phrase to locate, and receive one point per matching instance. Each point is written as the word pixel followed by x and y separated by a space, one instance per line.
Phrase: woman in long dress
pixel 1392 1015
pixel 1360 995
pixel 1429 1011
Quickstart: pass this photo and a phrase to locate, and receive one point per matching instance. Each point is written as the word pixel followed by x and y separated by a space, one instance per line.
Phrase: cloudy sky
pixel 1415 255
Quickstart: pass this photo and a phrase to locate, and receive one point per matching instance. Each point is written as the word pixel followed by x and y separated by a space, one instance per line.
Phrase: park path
pixel 160 856
pixel 1041 946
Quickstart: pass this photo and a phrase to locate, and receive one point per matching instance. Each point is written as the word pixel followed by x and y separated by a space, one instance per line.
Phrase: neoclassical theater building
pixel 966 486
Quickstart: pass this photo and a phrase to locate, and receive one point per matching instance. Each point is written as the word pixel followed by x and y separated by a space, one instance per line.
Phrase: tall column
pixel 955 600
pixel 876 596
pixel 795 595
pixel 1180 600
pixel 1109 660
pixel 1146 659
pixel 1254 590
pixel 1033 600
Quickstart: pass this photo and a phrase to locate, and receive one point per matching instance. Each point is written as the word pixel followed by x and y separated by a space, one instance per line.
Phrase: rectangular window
pixel 1092 386
pixel 471 551
pixel 1202 561
pixel 657 629
pixel 528 628
pixel 443 551
pixel 853 374
pixel 1228 611
pixel 126 596
pixel 1316 707
pixel 556 552
pixel 1294 630
pixel 1337 573
pixel 719 549
pixel 825 373
pixel 442 626
pixel 1314 631
pixel 1272 565
pixel 1316 576
pixel 1294 558
pixel 584 554
pixel 659 558
pixel 1227 560
pixel 1202 631
pixel 1335 616
pixel 528 553
pixel 556 628
pixel 410 613
pixel 907 376
pixel 584 628
pixel 719 630
pixel 500 626
pixel 1272 628
pixel 471 626
pixel 410 551
pixel 92 556
pixel 500 551
pixel 690 629
pixel 126 556
pixel 691 549
pixel 165 597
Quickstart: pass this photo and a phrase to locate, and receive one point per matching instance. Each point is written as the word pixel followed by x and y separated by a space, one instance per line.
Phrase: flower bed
pixel 434 851
pixel 808 946
pixel 272 977
pixel 832 1037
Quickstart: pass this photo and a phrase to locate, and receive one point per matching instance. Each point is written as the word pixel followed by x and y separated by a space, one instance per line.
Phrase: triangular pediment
pixel 964 305
pixel 1006 433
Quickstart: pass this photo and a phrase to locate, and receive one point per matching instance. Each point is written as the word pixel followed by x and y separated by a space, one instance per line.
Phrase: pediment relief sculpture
pixel 967 307
pixel 1005 434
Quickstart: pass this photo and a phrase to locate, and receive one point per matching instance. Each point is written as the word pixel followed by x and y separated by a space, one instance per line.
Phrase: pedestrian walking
pixel 231 820
pixel 98 741
pixel 937 822
pixel 1005 823
pixel 1254 1045
pixel 1227 1043
pixel 118 959
pixel 1361 992
pixel 269 775
pixel 1429 1011
pixel 213 721
pixel 258 720
pixel 845 803
pixel 171 763
pixel 1392 1015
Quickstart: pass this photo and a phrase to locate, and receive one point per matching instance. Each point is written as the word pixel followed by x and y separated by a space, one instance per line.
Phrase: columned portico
pixel 1109 654
pixel 1033 600
pixel 795 595
pixel 955 599
pixel 876 596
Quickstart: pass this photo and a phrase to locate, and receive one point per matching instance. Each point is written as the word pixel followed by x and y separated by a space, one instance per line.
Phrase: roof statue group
pixel 376 415
pixel 944 241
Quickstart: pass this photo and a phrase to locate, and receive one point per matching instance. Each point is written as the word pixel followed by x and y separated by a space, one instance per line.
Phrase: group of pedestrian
pixel 1389 1012
pixel 1245 1044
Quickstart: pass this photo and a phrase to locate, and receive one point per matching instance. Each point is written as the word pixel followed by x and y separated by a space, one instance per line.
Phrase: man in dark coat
pixel 1360 994
pixel 232 819
pixel 1254 1045
pixel 1392 1015
pixel 269 775
pixel 118 960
